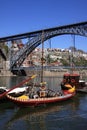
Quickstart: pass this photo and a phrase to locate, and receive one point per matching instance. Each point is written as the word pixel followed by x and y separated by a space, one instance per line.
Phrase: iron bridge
pixel 37 37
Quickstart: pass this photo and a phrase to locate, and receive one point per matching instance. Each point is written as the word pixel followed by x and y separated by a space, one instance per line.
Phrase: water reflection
pixel 65 115
pixel 38 117
pixel 12 81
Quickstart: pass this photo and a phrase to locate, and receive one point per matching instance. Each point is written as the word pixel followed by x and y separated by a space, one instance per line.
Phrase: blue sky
pixel 21 16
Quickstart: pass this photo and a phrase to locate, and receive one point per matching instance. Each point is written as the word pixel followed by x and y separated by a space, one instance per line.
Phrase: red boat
pixel 43 96
pixel 74 80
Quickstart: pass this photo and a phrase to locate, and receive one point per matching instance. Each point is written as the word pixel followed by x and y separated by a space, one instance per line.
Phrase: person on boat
pixel 43 89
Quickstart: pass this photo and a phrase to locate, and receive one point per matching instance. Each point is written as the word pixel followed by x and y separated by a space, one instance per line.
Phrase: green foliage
pixel 81 61
pixel 64 62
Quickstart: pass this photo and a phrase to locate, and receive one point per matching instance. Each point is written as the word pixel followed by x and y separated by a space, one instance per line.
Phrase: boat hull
pixel 38 101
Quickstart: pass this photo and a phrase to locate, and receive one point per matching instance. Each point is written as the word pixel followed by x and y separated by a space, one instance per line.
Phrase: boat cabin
pixel 71 78
pixel 74 80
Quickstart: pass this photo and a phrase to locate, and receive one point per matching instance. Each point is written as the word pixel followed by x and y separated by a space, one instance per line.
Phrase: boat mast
pixel 42 59
pixel 73 52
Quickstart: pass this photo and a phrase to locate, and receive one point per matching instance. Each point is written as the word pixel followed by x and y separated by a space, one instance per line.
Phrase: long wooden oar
pixel 16 86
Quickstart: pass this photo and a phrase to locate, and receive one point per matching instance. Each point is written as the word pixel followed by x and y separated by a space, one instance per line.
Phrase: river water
pixel 66 115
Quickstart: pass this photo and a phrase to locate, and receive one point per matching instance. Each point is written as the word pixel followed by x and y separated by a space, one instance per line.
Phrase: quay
pixel 46 73
pixel 52 71
pixel 49 71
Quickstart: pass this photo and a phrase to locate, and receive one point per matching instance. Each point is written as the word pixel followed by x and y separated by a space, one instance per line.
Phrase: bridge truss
pixel 35 39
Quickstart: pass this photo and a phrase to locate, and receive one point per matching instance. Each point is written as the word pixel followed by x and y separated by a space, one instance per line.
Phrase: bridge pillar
pixel 4 70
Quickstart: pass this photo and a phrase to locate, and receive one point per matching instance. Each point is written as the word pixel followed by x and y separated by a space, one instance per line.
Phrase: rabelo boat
pixel 74 80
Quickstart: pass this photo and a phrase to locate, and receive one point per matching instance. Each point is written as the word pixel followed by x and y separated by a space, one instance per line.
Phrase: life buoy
pixel 72 81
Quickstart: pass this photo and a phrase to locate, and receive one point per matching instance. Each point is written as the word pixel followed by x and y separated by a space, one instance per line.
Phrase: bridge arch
pixel 36 38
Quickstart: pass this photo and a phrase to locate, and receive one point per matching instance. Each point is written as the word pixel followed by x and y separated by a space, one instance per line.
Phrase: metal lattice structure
pixel 36 37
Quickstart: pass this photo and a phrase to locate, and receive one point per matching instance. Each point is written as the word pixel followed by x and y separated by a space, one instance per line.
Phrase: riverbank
pixel 46 73
pixel 6 73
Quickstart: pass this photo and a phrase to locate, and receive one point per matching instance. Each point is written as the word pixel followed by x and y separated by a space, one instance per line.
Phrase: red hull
pixel 38 101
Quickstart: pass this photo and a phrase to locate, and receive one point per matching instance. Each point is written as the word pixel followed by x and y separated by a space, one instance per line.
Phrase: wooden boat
pixel 43 96
pixel 74 80
pixel 24 100
pixel 82 87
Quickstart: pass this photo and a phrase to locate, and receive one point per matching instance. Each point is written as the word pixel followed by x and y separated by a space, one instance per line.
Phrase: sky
pixel 21 16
